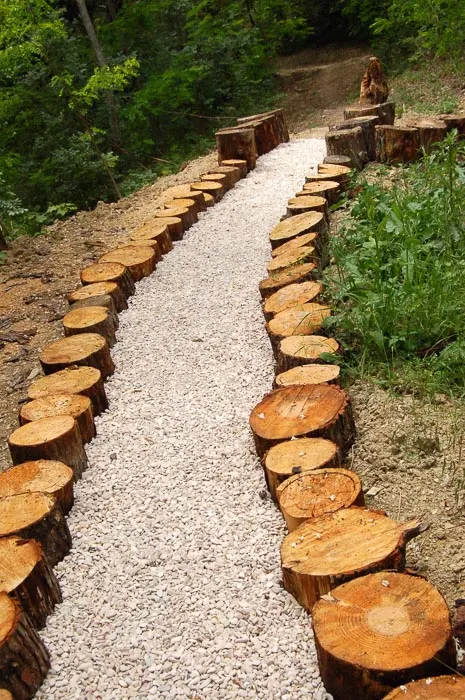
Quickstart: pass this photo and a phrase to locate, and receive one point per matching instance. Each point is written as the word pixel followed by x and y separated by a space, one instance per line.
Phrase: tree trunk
pixel 40 476
pixel 140 261
pixel 290 296
pixel 298 273
pixel 348 142
pixel 386 112
pixel 429 132
pixel 237 144
pixel 302 319
pixel 308 374
pixel 3 243
pixel 454 121
pixel 307 203
pixel 396 144
pixel 89 349
pixel 91 319
pixel 99 289
pixel 436 688
pixel 73 380
pixel 367 124
pixel 303 350
pixel 310 222
pixel 109 272
pixel 74 405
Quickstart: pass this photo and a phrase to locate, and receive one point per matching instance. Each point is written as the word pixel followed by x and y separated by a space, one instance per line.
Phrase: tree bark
pixel 237 144
pixel 3 243
pixel 429 132
pixel 104 300
pixel 454 121
pixel 348 142
pixel 40 476
pixel 73 380
pixel 367 125
pixel 396 144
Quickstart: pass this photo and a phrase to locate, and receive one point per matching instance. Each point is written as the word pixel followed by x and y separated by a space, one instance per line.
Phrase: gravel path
pixel 172 587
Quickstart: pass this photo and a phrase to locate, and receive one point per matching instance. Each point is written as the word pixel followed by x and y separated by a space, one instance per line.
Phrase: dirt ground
pixel 408 453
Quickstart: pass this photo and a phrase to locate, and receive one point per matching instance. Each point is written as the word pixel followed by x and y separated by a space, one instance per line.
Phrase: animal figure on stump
pixel 374 88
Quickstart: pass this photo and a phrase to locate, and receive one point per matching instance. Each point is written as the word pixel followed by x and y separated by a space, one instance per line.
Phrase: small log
pixel 174 223
pixel 296 243
pixel 140 261
pixel 75 405
pixel 298 457
pixel 36 516
pixel 73 380
pixel 349 142
pixel 187 216
pixel 303 350
pixel 367 125
pixel 338 173
pixel 186 203
pixel 297 273
pixel 109 272
pixel 289 296
pixel 55 438
pixel 303 411
pixel 26 576
pixel 305 204
pixel 215 189
pixel 153 231
pixel 432 688
pixel 386 112
pixel 316 493
pixel 83 349
pixel 40 476
pixel 279 121
pixel 221 178
pixel 311 222
pixel 237 163
pixel 337 160
pixel 233 174
pixel 185 192
pixel 92 319
pixel 295 257
pixel 308 374
pixel 301 319
pixel 237 144
pixel 336 544
pixel 399 630
pixel 24 660
pixel 430 131
pixel 328 189
pixel 99 289
pixel 454 121
pixel 396 144
pixel 103 300
pixel 147 243
pixel 209 199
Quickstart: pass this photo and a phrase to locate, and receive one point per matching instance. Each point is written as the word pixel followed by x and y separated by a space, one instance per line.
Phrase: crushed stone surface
pixel 172 588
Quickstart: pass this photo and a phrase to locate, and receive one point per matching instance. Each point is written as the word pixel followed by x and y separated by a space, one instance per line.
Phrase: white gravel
pixel 172 586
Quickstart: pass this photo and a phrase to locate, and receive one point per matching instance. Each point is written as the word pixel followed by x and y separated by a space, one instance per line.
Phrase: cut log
pixel 27 577
pixel 185 192
pixel 237 163
pixel 298 256
pixel 308 374
pixel 313 222
pixel 385 111
pixel 454 121
pixel 75 405
pixel 367 125
pixel 109 272
pixel 303 350
pixel 289 296
pixel 279 120
pixel 83 349
pixel 221 178
pixel 73 380
pixel 24 660
pixel 307 203
pixel 154 232
pixel 380 631
pixel 186 203
pixel 174 223
pixel 396 144
pixel 266 134
pixel 317 493
pixel 338 173
pixel 187 217
pixel 301 319
pixel 140 261
pixel 337 544
pixel 92 319
pixel 298 457
pixel 233 175
pixel 303 411
pixel 147 243
pixel 298 273
pixel 209 199
pixel 430 131
pixel 435 688
pixel 296 243
pixel 98 289
pixel 348 142
pixel 56 438
pixel 103 300
pixel 36 516
pixel 328 189
pixel 237 144
pixel 40 476
pixel 337 160
pixel 215 189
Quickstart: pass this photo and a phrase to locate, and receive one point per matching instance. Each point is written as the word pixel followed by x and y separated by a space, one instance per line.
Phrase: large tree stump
pixel 289 296
pixel 337 544
pixel 99 289
pixel 215 189
pixel 303 411
pixel 233 175
pixel 307 203
pixel 367 125
pixel 297 273
pixel 328 189
pixel 83 349
pixel 337 160
pixel 299 350
pixel 237 144
pixel 153 231
pixel 140 261
pixel 432 688
pixel 380 631
pixel 386 111
pixel 374 88
pixel 311 222
pixel 103 300
pixel 192 207
pixel 396 144
pixel 40 476
pixel 430 131
pixel 56 438
pixel 73 380
pixel 316 493
pixel 237 163
pixel 298 256
pixel 36 516
pixel 308 374
pixel 27 577
pixel 348 142
pixel 296 243
pixel 298 457
pixel 454 121
pixel 174 223
pixel 266 135
pixel 109 272
pixel 279 122
pixel 92 319
pixel 24 660
pixel 301 319
pixel 74 405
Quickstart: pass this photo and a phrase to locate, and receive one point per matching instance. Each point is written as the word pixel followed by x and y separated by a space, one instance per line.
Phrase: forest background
pixel 100 97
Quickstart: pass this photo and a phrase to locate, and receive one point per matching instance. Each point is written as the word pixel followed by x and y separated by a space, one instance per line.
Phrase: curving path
pixel 172 587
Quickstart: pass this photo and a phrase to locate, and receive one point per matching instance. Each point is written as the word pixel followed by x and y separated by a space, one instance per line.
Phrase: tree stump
pixel 56 438
pixel 325 188
pixel 237 163
pixel 73 380
pixel 233 144
pixel 308 374
pixel 99 289
pixel 338 173
pixel 298 273
pixel 430 131
pixel 297 457
pixel 209 199
pixel 380 631
pixel 301 319
pixel 40 476
pixel 103 300
pixel 151 243
pixel 386 112
pixel 454 121
pixel 140 261
pixel 396 144
pixel 221 178
pixel 367 125
pixel 36 516
pixel 337 160
pixel 311 222
pixel 109 272
pixel 316 493
pixel 295 257
pixel 303 350
pixel 348 142
pixel 153 231
pixel 83 349
pixel 187 216
pixel 185 203
pixel 303 411
pixel 215 189
pixel 279 123
pixel 289 296
pixel 435 688
pixel 27 577
pixel 266 136
pixel 305 204
pixel 92 319
pixel 296 243
pixel 185 192
pixel 233 174
pixel 174 223
pixel 24 660
pixel 74 405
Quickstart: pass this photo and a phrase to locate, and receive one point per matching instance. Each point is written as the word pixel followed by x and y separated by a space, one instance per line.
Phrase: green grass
pixel 429 88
